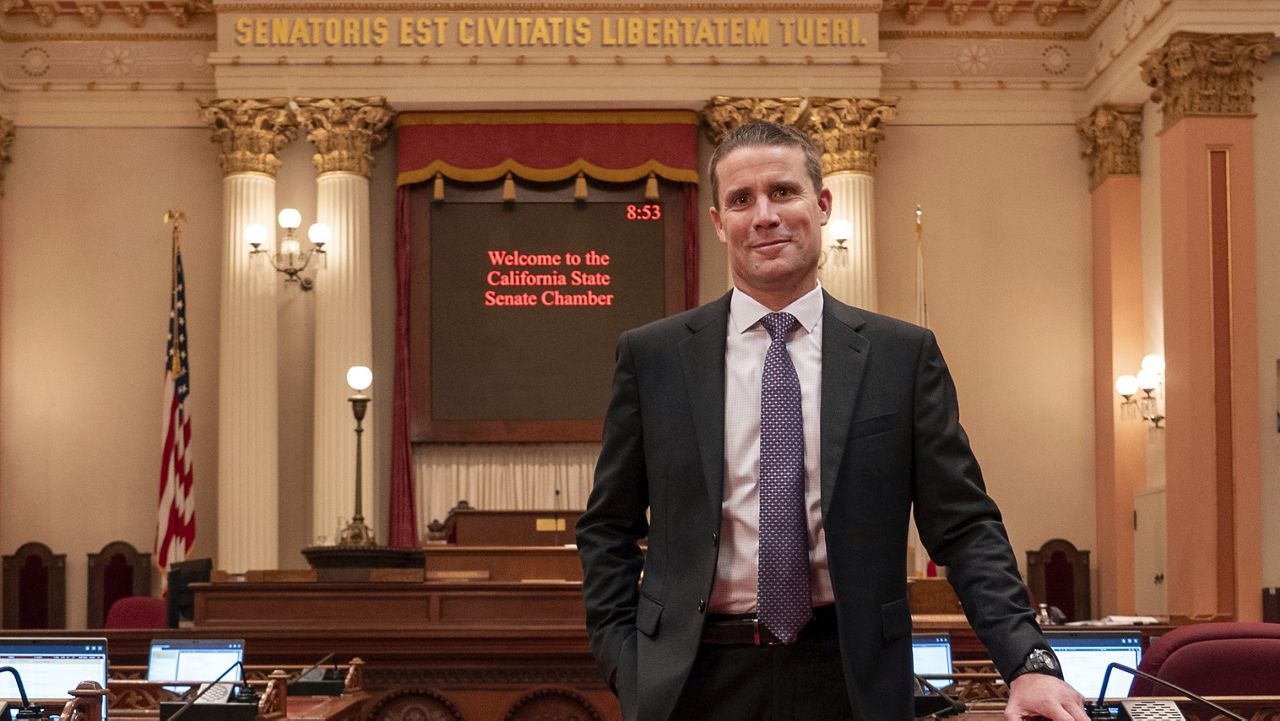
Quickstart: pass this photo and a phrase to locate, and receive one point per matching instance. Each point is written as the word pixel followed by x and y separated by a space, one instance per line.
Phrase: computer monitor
pixel 1084 656
pixel 931 654
pixel 50 668
pixel 195 659
pixel 182 574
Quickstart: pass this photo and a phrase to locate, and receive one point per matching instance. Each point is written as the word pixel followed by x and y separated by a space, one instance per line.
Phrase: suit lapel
pixel 844 358
pixel 702 360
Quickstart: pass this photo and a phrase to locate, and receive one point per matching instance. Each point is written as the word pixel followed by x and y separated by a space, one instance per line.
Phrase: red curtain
pixel 617 147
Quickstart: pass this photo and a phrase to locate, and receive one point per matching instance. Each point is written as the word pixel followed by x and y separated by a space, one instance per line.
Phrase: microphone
pixel 29 711
pixel 1106 677
pixel 209 686
pixel 934 702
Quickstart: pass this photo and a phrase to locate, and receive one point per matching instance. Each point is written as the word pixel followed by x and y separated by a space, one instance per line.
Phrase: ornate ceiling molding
pixel 90 13
pixel 1205 74
pixel 1113 134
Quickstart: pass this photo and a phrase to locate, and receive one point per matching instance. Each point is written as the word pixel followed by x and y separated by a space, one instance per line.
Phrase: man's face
pixel 771 217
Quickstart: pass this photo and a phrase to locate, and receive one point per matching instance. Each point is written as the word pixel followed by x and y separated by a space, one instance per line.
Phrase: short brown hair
pixel 764 132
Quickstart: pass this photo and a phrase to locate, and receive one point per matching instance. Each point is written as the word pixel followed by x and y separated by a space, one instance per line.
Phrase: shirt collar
pixel 745 311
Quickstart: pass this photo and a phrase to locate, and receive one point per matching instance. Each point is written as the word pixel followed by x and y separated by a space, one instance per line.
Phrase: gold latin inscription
pixel 548 31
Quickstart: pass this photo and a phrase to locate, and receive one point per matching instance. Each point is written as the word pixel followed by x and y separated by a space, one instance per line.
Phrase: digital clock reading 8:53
pixel 647 211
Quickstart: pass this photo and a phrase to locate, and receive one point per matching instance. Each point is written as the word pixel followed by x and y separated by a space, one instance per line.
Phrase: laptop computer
pixel 50 668
pixel 195 659
pixel 1085 654
pixel 931 654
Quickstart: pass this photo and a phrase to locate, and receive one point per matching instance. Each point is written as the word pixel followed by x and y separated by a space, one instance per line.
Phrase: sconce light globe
pixel 359 378
pixel 289 218
pixel 1127 385
pixel 1153 363
pixel 1148 380
pixel 319 234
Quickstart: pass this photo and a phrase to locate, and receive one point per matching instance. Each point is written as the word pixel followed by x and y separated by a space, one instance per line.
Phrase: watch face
pixel 1041 660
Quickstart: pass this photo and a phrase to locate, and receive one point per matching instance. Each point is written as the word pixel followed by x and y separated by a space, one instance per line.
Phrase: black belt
pixel 744 629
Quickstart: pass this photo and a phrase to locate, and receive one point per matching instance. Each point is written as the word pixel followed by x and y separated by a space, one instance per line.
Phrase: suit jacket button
pixel 715 538
pixel 702 605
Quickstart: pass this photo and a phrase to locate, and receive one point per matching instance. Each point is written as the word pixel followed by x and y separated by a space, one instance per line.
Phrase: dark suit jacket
pixel 891 441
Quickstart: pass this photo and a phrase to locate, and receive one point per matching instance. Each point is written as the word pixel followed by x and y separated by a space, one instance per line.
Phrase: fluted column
pixel 1204 83
pixel 345 131
pixel 1113 135
pixel 250 134
pixel 846 131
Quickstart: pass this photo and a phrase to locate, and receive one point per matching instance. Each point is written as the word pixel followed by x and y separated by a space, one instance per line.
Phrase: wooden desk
pixel 389 605
pixel 474 527
pixel 447 562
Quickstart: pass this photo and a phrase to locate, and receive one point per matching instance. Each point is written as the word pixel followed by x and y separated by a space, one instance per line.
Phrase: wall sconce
pixel 1149 380
pixel 841 232
pixel 291 259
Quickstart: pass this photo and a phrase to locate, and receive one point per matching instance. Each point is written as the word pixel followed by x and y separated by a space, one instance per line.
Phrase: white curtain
pixel 496 476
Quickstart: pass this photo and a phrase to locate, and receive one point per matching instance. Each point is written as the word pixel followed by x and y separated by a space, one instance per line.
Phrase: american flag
pixel 176 528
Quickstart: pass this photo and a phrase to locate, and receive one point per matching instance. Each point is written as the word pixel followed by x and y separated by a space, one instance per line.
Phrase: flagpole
pixel 922 305
pixel 177 217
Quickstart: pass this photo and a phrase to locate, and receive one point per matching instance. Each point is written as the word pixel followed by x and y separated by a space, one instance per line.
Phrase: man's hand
pixel 1038 694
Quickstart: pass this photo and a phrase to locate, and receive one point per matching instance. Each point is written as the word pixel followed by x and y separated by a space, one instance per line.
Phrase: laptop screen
pixel 931 654
pixel 195 659
pixel 50 668
pixel 1085 655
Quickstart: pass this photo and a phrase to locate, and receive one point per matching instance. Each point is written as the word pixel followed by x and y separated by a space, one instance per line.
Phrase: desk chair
pixel 1214 659
pixel 138 612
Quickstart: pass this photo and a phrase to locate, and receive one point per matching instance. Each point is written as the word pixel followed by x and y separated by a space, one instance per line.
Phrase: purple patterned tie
pixel 783 602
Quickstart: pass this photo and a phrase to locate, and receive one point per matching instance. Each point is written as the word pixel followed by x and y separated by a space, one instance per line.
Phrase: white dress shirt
pixel 735 585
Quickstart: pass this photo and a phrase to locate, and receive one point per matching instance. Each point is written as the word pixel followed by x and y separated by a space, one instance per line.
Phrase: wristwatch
pixel 1040 660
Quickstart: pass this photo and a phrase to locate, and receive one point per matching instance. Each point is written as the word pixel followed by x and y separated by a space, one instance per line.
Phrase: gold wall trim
pixel 983 35
pixel 760 7
pixel 116 37
pixel 566 117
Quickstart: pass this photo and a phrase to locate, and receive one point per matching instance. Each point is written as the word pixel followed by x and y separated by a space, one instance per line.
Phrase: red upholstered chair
pixel 138 612
pixel 1214 659
pixel 118 570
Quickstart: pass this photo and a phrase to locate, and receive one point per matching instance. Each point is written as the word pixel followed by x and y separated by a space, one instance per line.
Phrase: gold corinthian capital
pixel 1205 74
pixel 1112 134
pixel 6 139
pixel 724 113
pixel 250 133
pixel 345 131
pixel 847 130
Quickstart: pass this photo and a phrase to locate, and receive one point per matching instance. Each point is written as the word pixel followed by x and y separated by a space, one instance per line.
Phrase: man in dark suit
pixel 770 445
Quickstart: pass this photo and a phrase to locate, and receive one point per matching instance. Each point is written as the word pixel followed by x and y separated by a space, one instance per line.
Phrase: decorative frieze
pixel 1205 74
pixel 6 139
pixel 1113 134
pixel 345 131
pixel 250 133
pixel 847 130
pixel 724 113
